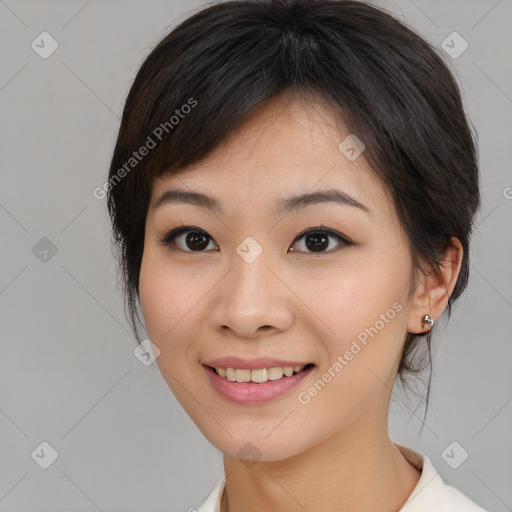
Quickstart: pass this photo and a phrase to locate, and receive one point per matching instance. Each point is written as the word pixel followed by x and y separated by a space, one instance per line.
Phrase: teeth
pixel 275 373
pixel 242 375
pixel 260 375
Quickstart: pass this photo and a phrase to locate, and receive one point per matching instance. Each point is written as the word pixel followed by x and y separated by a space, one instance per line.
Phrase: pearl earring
pixel 427 319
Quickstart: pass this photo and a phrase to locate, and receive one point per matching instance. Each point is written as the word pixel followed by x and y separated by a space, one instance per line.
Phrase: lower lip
pixel 252 392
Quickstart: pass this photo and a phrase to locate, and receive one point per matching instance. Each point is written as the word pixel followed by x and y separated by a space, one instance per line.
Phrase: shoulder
pixel 431 492
pixel 459 501
pixel 442 498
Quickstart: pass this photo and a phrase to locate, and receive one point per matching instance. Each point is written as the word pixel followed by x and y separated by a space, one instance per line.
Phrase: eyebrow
pixel 285 206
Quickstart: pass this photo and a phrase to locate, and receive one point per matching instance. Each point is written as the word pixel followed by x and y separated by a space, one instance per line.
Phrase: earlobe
pixel 433 292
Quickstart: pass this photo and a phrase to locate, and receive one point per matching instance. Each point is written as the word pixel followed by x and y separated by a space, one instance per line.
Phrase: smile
pixel 268 384
pixel 258 375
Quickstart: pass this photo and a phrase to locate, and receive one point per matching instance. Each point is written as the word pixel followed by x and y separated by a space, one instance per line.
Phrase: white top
pixel 431 494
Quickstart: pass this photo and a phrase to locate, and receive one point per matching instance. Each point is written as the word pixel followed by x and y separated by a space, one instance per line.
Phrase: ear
pixel 434 289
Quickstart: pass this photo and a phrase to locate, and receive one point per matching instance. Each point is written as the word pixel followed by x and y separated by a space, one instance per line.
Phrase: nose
pixel 252 301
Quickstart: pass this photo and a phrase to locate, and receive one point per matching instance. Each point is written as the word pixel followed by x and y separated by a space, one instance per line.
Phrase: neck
pixel 344 472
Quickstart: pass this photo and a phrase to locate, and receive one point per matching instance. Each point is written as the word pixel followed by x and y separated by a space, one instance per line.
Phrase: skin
pixel 333 453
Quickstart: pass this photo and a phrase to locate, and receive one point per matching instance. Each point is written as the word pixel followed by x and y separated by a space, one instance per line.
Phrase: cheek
pixel 172 302
pixel 356 309
pixel 362 345
pixel 363 313
pixel 356 297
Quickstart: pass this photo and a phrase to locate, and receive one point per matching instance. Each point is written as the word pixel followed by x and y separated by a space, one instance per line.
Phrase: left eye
pixel 317 239
pixel 195 237
pixel 196 240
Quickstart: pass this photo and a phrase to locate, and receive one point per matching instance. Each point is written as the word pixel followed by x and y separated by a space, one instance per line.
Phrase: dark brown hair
pixel 388 84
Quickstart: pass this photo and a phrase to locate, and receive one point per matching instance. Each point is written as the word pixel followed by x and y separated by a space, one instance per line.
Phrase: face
pixel 245 281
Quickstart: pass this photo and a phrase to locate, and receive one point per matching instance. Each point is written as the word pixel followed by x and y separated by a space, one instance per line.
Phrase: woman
pixel 292 193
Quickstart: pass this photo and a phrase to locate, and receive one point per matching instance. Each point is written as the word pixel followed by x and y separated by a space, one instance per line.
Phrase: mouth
pixel 259 375
pixel 268 384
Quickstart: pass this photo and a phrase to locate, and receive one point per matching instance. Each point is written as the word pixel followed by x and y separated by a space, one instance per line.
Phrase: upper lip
pixel 251 364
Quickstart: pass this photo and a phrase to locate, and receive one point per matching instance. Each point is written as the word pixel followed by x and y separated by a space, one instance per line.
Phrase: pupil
pixel 193 237
pixel 323 244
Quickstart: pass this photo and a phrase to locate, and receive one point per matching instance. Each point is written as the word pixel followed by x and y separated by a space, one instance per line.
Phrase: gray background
pixel 68 375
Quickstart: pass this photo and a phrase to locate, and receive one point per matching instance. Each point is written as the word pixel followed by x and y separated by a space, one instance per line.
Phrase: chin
pixel 258 447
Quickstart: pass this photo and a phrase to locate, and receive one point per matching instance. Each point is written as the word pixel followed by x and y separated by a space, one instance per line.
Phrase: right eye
pixel 195 241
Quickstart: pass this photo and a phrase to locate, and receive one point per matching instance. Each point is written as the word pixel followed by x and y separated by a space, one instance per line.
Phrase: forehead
pixel 287 147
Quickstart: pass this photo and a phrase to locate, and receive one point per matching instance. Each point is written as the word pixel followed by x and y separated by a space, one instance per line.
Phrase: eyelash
pixel 173 234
